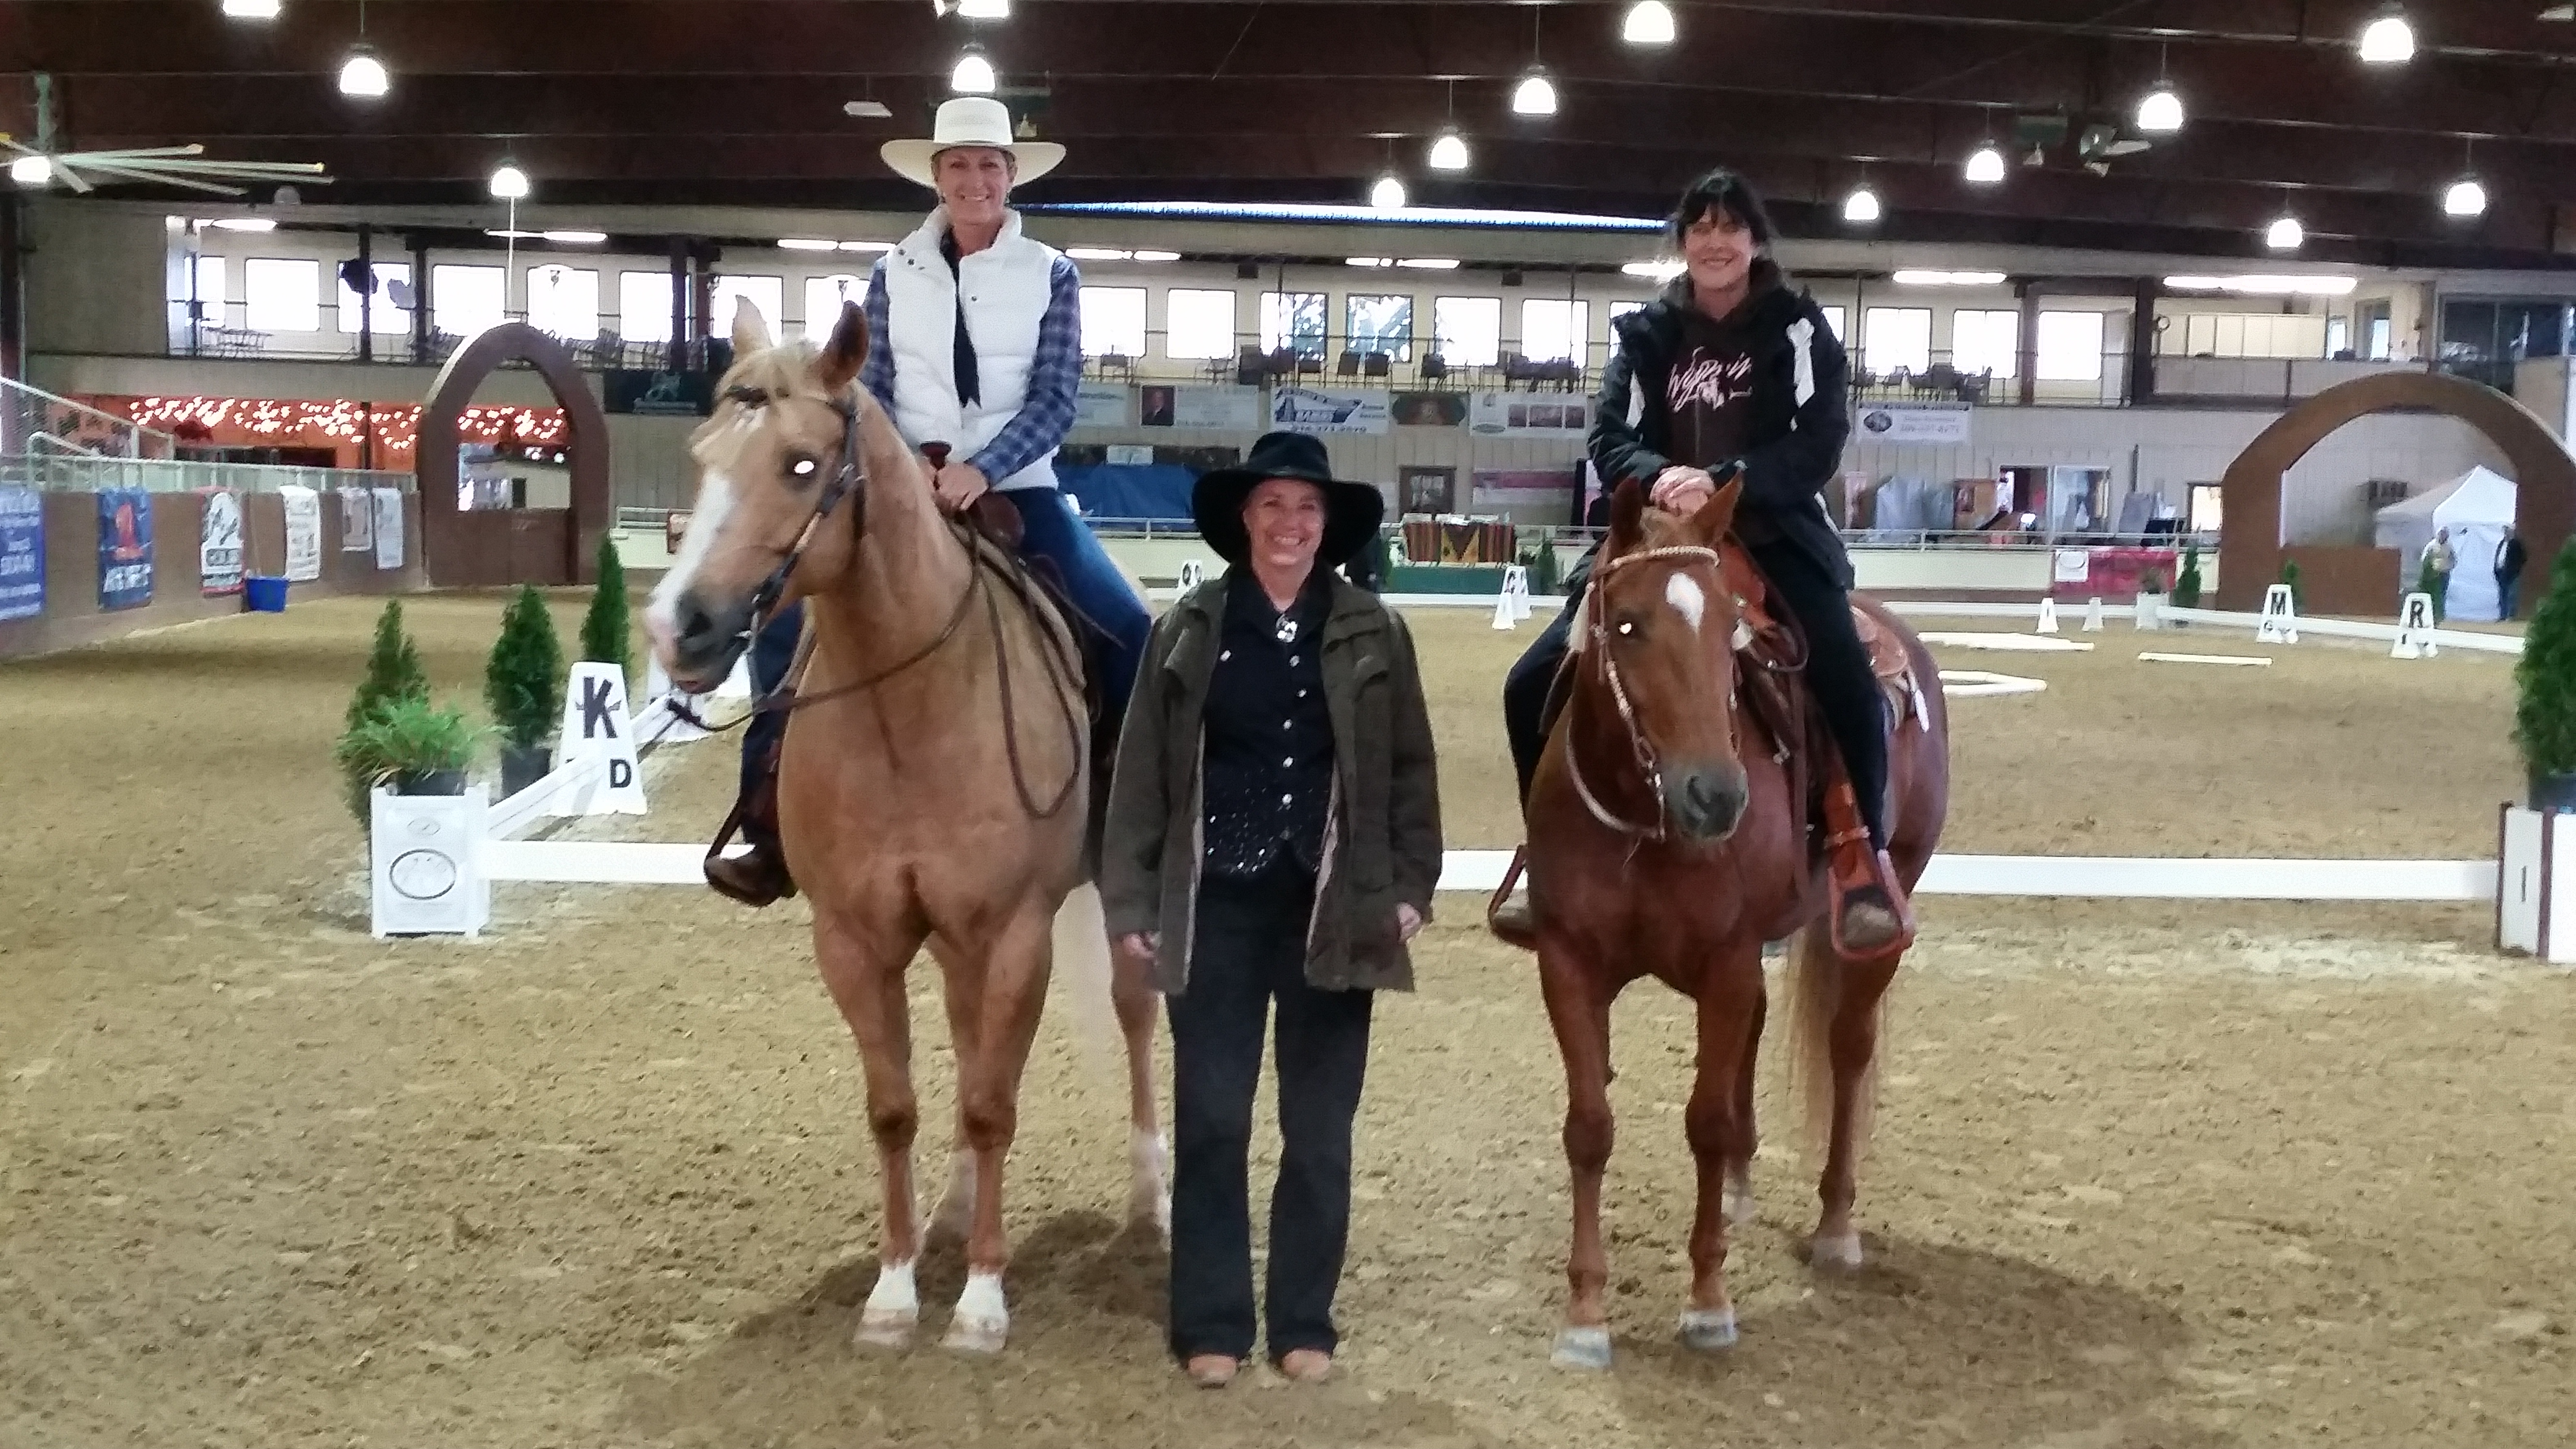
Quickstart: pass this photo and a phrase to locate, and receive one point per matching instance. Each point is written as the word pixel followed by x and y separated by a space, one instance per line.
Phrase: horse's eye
pixel 802 468
pixel 1626 628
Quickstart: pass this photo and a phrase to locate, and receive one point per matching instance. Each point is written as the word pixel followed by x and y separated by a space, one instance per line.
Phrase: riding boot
pixel 758 877
pixel 1508 914
pixel 1871 919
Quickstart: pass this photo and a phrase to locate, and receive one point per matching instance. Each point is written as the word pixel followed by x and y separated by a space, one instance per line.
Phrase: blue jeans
pixel 1051 530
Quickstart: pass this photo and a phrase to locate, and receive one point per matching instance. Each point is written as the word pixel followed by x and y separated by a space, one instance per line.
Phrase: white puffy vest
pixel 1006 287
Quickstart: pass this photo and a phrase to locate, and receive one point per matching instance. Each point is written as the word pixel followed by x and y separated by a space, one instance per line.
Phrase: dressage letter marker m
pixel 596 725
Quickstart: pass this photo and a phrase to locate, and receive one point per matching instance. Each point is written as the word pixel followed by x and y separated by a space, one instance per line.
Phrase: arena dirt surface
pixel 2145 1175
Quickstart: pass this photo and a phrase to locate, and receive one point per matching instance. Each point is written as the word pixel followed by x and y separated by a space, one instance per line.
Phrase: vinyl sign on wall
pixel 219 544
pixel 1911 423
pixel 303 509
pixel 22 553
pixel 124 549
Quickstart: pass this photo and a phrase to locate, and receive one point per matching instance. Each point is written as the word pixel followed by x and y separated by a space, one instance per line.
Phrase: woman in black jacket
pixel 1729 370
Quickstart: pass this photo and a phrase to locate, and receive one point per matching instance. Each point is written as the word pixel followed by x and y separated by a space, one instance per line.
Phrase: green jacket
pixel 1381 830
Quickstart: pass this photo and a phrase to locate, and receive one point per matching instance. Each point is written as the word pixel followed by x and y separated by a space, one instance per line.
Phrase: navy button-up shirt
pixel 1269 737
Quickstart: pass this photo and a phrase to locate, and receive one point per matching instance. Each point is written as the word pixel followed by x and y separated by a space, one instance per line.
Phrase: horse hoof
pixel 1842 1251
pixel 977 1335
pixel 1582 1348
pixel 879 1329
pixel 1708 1329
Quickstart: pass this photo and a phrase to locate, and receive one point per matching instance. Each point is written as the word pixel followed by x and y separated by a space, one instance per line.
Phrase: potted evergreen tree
pixel 2545 682
pixel 393 669
pixel 2186 590
pixel 523 685
pixel 605 629
pixel 2290 576
pixel 410 747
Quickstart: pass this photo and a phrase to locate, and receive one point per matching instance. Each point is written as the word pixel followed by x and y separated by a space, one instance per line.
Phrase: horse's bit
pixel 1598 636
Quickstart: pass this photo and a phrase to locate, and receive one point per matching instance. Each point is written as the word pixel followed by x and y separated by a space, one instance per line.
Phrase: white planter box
pixel 2151 610
pixel 425 864
pixel 2536 886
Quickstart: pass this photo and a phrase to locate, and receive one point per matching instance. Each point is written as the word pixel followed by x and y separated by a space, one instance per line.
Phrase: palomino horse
pixel 1668 836
pixel 933 783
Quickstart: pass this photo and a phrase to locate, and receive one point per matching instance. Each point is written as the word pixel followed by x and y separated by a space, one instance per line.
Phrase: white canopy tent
pixel 2477 509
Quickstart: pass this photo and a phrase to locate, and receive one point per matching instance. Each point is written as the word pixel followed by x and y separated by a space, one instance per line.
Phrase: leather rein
pixel 849 482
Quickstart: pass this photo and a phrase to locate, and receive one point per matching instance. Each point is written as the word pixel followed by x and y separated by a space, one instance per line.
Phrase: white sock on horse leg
pixel 983 1319
pixel 894 1306
pixel 1149 1192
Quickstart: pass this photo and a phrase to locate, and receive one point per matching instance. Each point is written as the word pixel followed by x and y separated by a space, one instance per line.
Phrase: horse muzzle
pixel 1706 802
pixel 702 639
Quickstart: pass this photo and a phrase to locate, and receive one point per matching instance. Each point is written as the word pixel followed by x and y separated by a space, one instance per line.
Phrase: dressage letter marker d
pixel 596 724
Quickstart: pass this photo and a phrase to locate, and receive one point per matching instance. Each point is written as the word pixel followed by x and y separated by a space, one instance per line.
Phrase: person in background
pixel 1731 372
pixel 2438 553
pixel 975 334
pixel 1273 835
pixel 2509 558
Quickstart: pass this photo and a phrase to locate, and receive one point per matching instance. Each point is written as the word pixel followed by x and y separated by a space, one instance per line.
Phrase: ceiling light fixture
pixel 873 110
pixel 2388 40
pixel 1986 167
pixel 2465 198
pixel 1429 264
pixel 1449 153
pixel 2285 235
pixel 244 223
pixel 251 9
pixel 1387 194
pixel 2265 284
pixel 1662 271
pixel 363 76
pixel 1649 22
pixel 1918 278
pixel 1861 205
pixel 575 238
pixel 32 171
pixel 1368 261
pixel 2160 114
pixel 807 244
pixel 1535 95
pixel 984 9
pixel 867 246
pixel 509 183
pixel 973 75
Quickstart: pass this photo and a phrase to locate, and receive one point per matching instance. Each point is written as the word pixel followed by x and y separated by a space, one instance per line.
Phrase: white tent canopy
pixel 2477 510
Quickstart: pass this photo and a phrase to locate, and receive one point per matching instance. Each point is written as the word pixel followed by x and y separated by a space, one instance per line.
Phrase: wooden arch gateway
pixel 2250 548
pixel 465 549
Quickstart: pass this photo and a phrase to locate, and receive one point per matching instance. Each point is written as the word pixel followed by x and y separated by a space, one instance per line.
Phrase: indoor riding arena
pixel 377 1066
pixel 2145 1174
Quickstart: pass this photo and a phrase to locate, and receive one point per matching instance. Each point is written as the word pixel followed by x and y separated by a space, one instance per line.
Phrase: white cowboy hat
pixel 970 121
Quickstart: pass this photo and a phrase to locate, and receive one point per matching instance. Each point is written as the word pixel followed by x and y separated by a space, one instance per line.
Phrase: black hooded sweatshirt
pixel 1765 388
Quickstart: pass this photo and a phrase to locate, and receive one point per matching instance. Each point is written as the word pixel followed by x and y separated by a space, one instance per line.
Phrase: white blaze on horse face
pixel 1683 593
pixel 706 520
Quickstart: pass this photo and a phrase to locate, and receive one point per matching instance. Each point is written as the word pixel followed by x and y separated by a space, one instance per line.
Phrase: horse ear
pixel 848 349
pixel 750 331
pixel 1627 515
pixel 1718 513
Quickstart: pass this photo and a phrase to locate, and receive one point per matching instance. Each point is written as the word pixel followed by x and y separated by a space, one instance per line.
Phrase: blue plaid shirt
pixel 1055 374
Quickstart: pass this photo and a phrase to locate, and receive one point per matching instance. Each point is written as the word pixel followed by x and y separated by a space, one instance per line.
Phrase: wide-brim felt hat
pixel 970 121
pixel 1352 511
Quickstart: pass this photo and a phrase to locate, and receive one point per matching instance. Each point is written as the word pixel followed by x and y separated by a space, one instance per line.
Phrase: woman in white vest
pixel 977 332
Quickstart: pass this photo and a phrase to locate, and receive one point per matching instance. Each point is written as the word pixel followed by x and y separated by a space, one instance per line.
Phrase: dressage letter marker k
pixel 595 721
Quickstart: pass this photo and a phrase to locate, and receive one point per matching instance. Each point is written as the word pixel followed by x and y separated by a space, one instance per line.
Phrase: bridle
pixel 849 482
pixel 1598 644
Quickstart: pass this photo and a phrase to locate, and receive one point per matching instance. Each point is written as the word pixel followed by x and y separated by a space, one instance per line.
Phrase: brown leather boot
pixel 1870 917
pixel 759 877
pixel 756 878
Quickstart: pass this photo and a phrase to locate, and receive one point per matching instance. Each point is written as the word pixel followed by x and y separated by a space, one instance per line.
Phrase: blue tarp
pixel 1128 490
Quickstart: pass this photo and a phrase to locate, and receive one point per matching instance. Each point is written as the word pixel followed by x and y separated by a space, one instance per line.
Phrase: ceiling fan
pixel 42 164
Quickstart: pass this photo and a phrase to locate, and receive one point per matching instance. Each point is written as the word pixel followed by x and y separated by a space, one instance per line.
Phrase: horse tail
pixel 1815 1000
pixel 1082 964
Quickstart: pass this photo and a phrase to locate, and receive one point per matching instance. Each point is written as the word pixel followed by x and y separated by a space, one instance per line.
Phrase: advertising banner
pixel 22 553
pixel 1911 423
pixel 1528 414
pixel 124 549
pixel 389 528
pixel 219 543
pixel 303 533
pixel 1314 410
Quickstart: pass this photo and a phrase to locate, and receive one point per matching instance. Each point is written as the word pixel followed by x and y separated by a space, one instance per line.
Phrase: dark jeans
pixel 2505 589
pixel 772 650
pixel 1838 675
pixel 1251 948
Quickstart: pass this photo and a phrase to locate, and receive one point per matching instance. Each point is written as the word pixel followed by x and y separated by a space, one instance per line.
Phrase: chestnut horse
pixel 1668 836
pixel 934 781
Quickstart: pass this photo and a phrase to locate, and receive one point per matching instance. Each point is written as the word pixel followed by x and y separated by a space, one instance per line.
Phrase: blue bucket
pixel 264 595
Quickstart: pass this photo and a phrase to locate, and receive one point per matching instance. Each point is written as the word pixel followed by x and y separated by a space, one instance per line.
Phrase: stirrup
pixel 1515 928
pixel 1855 871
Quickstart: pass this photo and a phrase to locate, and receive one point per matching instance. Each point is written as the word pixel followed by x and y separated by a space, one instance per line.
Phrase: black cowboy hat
pixel 1351 510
